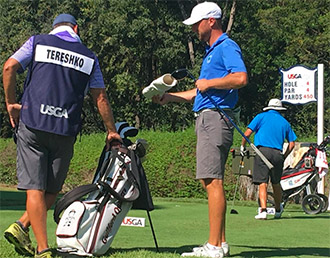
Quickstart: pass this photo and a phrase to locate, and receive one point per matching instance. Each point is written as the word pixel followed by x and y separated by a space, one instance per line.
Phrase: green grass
pixel 182 224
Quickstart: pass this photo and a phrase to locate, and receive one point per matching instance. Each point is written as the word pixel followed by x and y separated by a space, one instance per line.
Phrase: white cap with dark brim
pixel 274 104
pixel 202 11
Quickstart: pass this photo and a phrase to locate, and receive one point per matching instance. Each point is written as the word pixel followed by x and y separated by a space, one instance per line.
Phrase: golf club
pixel 180 74
pixel 240 166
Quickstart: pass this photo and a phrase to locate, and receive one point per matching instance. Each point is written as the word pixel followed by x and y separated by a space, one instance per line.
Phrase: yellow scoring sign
pixel 298 85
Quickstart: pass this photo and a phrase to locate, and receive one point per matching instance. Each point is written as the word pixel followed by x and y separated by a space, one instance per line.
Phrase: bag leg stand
pixel 153 232
pixel 241 165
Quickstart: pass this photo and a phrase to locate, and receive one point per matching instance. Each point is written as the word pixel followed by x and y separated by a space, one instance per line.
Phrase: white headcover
pixel 159 86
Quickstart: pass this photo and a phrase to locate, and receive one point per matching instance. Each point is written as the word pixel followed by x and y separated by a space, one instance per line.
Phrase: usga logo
pixel 53 111
pixel 294 76
pixel 133 222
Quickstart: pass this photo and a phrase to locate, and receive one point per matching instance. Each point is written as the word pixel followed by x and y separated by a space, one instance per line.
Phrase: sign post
pixel 298 87
pixel 320 114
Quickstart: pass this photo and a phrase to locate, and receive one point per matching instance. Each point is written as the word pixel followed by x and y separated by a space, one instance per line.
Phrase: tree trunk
pixel 190 44
pixel 247 189
pixel 231 17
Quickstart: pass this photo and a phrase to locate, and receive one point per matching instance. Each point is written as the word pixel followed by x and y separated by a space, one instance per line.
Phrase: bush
pixel 170 163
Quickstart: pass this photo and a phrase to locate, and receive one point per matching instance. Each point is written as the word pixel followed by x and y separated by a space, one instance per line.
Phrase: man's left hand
pixel 113 139
pixel 202 85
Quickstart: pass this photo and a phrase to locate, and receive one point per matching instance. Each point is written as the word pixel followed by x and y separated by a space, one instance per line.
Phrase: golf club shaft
pixel 222 112
pixel 219 109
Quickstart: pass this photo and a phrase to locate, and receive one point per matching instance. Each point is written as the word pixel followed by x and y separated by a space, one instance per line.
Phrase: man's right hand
pixel 162 100
pixel 13 111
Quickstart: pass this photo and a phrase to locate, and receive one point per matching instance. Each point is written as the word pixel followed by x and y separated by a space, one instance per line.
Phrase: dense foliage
pixel 136 41
pixel 170 163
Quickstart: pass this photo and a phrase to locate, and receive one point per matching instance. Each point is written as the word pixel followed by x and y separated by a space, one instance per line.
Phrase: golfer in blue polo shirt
pixel 222 73
pixel 271 130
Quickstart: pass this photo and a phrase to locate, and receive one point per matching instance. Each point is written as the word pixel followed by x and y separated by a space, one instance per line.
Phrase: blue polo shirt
pixel 271 130
pixel 222 58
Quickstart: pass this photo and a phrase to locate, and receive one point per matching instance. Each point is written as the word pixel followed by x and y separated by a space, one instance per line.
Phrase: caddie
pixel 60 72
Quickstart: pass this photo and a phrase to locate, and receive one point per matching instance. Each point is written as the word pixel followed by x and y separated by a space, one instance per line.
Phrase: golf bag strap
pixel 70 197
pixel 107 189
pixel 131 178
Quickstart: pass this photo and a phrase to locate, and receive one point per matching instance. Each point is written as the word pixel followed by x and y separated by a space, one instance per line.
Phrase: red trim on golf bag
pixel 298 173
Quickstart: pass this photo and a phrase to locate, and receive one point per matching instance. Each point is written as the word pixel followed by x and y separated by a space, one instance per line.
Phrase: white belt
pixel 197 114
pixel 204 110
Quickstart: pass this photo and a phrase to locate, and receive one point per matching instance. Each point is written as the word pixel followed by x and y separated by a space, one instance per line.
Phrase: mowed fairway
pixel 180 225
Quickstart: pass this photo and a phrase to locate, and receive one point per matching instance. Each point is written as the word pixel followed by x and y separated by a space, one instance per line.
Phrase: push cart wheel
pixel 270 200
pixel 312 204
pixel 325 202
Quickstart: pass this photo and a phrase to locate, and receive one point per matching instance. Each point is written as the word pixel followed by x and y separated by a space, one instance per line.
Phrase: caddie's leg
pixel 277 195
pixel 217 209
pixel 263 195
pixel 50 200
pixel 37 204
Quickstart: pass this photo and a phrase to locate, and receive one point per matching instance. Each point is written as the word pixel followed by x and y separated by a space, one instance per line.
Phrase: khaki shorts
pixel 214 138
pixel 43 159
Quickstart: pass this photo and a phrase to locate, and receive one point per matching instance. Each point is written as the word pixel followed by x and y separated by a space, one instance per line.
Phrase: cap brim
pixel 274 108
pixel 192 20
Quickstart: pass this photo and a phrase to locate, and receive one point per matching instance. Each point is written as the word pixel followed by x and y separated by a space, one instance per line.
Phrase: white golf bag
pixel 88 227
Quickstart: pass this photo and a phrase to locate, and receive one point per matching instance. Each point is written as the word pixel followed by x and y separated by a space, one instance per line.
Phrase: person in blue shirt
pixel 222 73
pixel 61 71
pixel 271 130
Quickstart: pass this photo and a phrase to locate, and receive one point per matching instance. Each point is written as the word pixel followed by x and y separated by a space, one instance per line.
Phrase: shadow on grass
pixel 174 250
pixel 317 216
pixel 12 200
pixel 15 200
pixel 283 251
pixel 256 251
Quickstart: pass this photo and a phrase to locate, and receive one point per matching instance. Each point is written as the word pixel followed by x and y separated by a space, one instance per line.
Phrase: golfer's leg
pixel 37 212
pixel 217 207
pixel 223 226
pixel 277 195
pixel 263 195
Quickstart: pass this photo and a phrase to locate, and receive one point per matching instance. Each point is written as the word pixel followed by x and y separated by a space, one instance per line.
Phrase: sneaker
pixel 20 239
pixel 278 214
pixel 225 248
pixel 47 253
pixel 261 215
pixel 205 251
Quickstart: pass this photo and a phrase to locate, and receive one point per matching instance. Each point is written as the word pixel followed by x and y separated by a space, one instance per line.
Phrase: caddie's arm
pixel 288 150
pixel 9 84
pixel 179 97
pixel 247 133
pixel 235 80
pixel 102 103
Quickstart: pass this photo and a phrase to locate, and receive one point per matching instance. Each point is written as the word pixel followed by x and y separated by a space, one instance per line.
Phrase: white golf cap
pixel 274 104
pixel 202 11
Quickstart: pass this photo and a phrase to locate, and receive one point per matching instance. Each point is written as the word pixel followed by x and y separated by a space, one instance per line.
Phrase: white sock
pixel 224 243
pixel 213 247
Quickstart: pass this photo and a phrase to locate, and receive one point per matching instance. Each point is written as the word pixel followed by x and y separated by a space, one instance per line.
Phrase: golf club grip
pixel 263 158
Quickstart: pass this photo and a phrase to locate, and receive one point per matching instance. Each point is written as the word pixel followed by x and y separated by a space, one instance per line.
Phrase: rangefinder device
pixel 308 162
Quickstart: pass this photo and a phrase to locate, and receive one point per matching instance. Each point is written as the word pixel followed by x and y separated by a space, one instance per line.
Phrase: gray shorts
pixel 43 159
pixel 214 138
pixel 261 172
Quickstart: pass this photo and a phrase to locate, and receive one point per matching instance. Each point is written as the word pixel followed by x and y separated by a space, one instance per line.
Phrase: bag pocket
pixel 70 221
